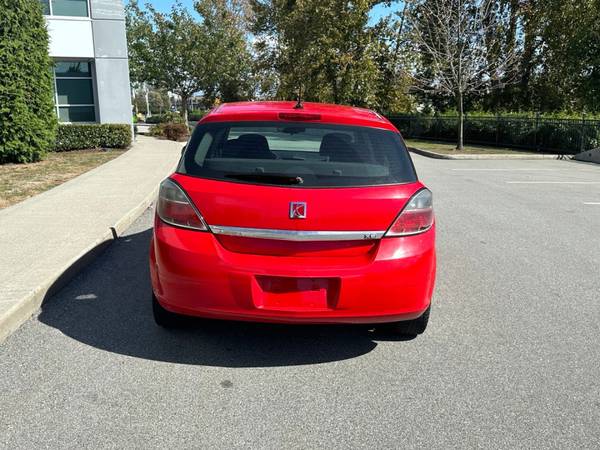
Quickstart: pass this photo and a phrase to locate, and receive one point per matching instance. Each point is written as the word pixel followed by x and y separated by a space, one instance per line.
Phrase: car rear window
pixel 297 154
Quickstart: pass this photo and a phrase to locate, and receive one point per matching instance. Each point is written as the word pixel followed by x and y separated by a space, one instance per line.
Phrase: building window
pixel 74 91
pixel 74 8
pixel 46 7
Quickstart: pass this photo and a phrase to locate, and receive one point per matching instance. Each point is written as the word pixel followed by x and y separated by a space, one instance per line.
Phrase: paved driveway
pixel 511 358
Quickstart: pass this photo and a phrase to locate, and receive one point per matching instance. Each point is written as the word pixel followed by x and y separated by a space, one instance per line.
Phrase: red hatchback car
pixel 290 213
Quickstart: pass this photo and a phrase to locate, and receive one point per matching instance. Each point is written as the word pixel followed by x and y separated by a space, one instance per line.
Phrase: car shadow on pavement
pixel 108 306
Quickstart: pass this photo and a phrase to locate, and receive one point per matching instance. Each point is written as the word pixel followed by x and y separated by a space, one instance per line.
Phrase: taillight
pixel 175 208
pixel 416 217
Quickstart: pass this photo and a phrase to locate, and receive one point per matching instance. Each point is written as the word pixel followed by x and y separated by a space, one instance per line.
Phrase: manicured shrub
pixel 171 131
pixel 27 115
pixel 79 137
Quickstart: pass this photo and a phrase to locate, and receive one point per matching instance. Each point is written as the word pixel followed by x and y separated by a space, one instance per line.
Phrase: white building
pixel 89 47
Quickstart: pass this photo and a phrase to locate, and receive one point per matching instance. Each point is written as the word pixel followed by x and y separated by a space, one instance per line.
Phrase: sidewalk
pixel 47 239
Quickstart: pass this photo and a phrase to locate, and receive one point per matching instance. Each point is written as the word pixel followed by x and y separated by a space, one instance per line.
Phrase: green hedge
pixel 551 135
pixel 529 115
pixel 27 114
pixel 79 137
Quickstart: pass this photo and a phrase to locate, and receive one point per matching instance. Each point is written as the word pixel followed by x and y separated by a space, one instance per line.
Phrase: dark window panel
pixel 72 69
pixel 74 92
pixel 77 114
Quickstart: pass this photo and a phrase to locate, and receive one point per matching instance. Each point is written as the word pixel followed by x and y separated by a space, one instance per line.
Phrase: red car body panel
pixel 270 112
pixel 250 205
pixel 240 278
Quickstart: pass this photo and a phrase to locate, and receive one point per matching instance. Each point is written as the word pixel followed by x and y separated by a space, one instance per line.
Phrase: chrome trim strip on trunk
pixel 293 235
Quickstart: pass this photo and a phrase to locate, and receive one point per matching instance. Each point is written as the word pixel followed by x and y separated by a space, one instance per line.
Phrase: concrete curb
pixel 435 155
pixel 30 304
pixel 589 156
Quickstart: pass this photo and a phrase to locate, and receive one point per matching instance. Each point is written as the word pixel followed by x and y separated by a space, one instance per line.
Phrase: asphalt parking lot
pixel 511 358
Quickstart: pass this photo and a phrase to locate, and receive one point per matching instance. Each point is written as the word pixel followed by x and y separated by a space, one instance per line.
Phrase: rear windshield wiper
pixel 266 178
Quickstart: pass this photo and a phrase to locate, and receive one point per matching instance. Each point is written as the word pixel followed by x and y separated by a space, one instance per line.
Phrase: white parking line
pixel 504 170
pixel 591 203
pixel 552 182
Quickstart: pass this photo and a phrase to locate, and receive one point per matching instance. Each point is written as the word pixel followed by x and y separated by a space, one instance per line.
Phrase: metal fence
pixel 564 136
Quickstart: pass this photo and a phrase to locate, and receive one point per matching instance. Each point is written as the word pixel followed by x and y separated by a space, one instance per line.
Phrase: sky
pixel 165 6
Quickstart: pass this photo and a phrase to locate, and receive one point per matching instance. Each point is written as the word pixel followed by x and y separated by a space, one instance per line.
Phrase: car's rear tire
pixel 409 327
pixel 164 318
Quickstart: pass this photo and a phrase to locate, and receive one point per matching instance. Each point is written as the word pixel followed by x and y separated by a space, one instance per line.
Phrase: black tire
pixel 410 327
pixel 164 318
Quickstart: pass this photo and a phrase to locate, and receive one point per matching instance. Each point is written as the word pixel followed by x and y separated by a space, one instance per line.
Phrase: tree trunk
pixel 335 90
pixel 528 60
pixel 184 108
pixel 461 121
pixel 146 93
pixel 133 100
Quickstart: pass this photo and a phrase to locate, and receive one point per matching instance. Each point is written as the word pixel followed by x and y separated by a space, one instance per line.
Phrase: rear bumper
pixel 193 274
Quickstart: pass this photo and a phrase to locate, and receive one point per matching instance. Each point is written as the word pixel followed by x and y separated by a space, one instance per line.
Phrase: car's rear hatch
pixel 229 206
pixel 292 188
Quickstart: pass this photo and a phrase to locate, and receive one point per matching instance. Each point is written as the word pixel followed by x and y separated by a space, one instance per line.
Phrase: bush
pixel 156 130
pixel 79 137
pixel 175 131
pixel 171 131
pixel 167 117
pixel 156 118
pixel 196 115
pixel 27 114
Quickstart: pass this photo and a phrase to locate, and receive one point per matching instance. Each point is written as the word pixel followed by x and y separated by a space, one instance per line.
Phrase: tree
pixel 228 64
pixel 530 17
pixel 461 48
pixel 393 56
pixel 157 100
pixel 169 50
pixel 569 70
pixel 541 79
pixel 559 61
pixel 139 30
pixel 325 49
pixel 27 115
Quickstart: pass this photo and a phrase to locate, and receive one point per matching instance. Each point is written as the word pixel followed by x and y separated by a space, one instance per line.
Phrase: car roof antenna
pixel 299 104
